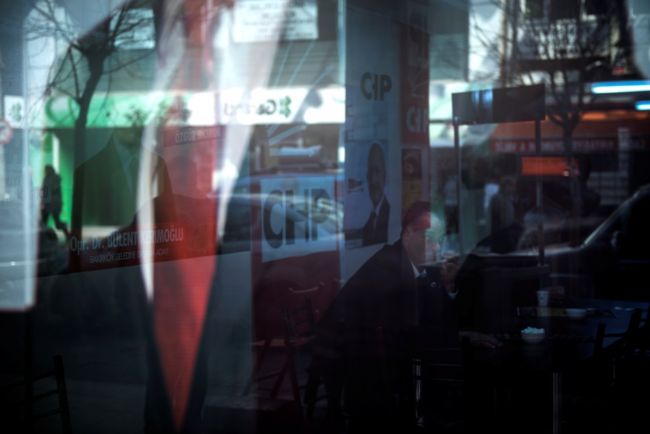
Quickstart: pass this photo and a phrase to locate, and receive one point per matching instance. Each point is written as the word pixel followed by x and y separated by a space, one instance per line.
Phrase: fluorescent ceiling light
pixel 621 86
pixel 643 105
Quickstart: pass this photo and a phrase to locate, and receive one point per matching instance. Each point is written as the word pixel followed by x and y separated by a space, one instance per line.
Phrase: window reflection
pixel 180 178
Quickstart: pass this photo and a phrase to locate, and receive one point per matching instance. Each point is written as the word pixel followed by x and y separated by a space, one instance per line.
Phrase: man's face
pixel 415 239
pixel 376 175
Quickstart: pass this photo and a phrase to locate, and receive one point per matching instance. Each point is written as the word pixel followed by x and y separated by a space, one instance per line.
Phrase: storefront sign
pixel 273 20
pixel 583 145
pixel 489 106
pixel 546 166
pixel 281 106
pixel 204 109
pixel 116 109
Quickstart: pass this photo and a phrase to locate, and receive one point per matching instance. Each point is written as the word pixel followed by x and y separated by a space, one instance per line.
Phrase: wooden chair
pixel 630 362
pixel 598 390
pixel 299 322
pixel 639 342
pixel 438 381
pixel 28 401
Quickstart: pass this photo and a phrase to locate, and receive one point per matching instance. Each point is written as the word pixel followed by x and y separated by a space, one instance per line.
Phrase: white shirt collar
pixel 416 272
pixel 378 207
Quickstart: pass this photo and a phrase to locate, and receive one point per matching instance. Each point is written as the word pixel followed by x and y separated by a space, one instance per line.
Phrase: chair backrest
pixel 599 340
pixel 440 364
pixel 628 340
pixel 299 321
pixel 617 360
pixel 644 335
pixel 300 317
pixel 27 401
pixel 632 336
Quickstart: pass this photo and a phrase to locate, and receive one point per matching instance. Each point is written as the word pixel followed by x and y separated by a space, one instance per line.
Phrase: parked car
pixel 612 261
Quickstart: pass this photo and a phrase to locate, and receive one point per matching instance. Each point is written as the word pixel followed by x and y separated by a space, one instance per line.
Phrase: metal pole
pixel 539 202
pixel 557 404
pixel 64 407
pixel 29 369
pixel 461 249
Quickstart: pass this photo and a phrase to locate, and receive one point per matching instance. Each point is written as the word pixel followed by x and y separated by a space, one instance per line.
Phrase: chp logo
pixel 298 217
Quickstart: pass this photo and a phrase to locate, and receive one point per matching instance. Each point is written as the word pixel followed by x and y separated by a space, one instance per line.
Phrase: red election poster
pixel 414 80
pixel 414 104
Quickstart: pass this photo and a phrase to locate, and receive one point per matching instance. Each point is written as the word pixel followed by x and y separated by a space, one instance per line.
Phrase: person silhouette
pixel 365 339
pixel 52 202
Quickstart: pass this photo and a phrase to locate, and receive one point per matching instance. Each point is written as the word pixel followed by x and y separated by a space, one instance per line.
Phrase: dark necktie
pixel 373 221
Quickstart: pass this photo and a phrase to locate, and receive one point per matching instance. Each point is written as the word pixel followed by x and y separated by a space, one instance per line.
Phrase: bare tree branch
pixel 73 66
pixel 129 62
pixel 50 16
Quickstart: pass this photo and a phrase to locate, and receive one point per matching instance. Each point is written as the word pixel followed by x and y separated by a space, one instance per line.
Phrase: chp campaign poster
pixel 372 140
pixel 299 216
pixel 296 237
pixel 368 203
pixel 414 77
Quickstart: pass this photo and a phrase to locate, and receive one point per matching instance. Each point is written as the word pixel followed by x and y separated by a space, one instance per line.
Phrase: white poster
pixel 15 110
pixel 272 20
pixel 372 186
pixel 299 216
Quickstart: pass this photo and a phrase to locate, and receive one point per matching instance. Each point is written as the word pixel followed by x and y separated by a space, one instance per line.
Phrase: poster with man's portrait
pixel 367 204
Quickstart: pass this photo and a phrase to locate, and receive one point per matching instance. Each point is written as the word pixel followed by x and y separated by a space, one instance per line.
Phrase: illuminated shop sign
pixel 556 146
pixel 245 107
pixel 116 109
pixel 546 166
pixel 281 106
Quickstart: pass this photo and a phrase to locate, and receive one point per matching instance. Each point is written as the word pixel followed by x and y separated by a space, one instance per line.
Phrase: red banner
pixel 414 86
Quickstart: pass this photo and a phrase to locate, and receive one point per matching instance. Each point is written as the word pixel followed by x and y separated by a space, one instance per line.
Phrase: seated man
pixel 366 338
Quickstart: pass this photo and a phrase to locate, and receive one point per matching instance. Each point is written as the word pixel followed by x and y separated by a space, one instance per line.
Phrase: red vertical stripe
pixel 182 284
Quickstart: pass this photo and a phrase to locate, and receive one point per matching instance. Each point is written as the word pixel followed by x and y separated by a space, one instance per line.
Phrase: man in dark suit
pixel 382 293
pixel 375 231
pixel 365 340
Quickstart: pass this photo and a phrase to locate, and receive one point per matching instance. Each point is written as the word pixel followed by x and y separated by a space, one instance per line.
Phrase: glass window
pixel 198 194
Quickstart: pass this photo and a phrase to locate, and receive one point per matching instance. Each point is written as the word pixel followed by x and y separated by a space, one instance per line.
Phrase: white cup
pixel 542 298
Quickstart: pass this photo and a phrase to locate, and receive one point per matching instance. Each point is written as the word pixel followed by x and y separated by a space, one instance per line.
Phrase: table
pixel 568 343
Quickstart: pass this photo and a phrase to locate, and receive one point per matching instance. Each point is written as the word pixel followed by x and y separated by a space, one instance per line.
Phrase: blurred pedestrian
pixel 51 199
